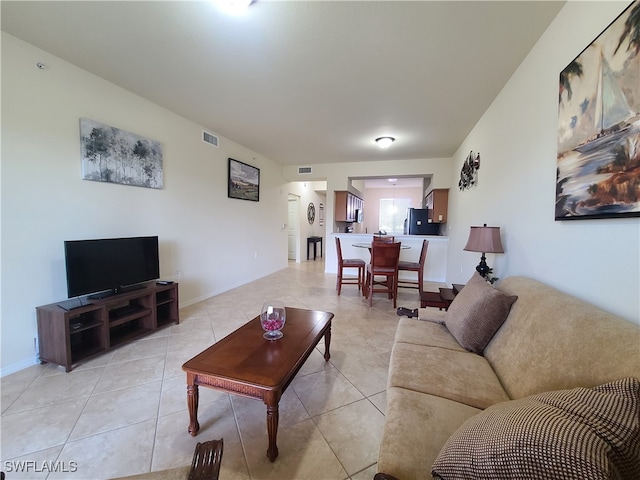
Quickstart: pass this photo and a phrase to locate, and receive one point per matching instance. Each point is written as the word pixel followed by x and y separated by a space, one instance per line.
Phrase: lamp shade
pixel 484 239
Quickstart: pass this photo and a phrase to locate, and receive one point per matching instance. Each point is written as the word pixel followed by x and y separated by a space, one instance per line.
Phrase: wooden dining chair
pixel 404 266
pixel 207 458
pixel 348 263
pixel 384 262
pixel 384 238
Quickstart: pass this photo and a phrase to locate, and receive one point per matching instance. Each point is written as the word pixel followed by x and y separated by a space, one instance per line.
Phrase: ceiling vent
pixel 209 138
pixel 304 170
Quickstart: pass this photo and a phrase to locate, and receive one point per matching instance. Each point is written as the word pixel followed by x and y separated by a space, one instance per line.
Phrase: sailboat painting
pixel 598 165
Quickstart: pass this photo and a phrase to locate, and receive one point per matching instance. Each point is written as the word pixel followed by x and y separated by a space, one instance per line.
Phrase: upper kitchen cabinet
pixel 347 206
pixel 437 201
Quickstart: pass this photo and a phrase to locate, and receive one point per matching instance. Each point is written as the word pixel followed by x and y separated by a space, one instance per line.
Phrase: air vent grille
pixel 209 138
pixel 304 170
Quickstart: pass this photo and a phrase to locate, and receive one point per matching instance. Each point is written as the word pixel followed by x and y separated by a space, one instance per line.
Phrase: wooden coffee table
pixel 244 363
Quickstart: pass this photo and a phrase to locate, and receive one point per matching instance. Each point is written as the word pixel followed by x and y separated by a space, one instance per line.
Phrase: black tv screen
pixel 110 264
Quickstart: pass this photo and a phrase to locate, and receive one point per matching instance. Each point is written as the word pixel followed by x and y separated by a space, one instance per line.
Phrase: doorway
pixel 293 227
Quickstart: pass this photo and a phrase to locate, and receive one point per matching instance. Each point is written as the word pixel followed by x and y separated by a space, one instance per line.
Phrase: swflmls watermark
pixel 23 466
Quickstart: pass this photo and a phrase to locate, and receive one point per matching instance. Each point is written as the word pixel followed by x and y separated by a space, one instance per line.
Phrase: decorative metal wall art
pixel 469 171
pixel 311 213
pixel 598 164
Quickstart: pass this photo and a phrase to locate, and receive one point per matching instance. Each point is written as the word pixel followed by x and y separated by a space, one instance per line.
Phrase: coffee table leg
pixel 272 424
pixel 327 343
pixel 192 403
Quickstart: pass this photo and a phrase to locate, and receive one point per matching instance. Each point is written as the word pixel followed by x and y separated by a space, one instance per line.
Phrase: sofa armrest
pixel 384 476
pixel 431 315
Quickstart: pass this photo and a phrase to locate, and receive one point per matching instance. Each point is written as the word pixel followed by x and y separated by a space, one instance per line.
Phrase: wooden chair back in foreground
pixel 207 458
pixel 348 263
pixel 384 262
pixel 415 267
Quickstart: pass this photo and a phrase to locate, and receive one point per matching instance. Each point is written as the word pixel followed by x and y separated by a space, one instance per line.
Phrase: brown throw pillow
pixel 583 433
pixel 476 313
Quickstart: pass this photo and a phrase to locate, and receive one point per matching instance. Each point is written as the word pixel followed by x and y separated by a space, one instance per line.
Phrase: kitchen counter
pixel 435 268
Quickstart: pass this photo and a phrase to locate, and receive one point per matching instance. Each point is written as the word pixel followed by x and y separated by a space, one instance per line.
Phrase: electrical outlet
pixel 178 274
pixel 255 255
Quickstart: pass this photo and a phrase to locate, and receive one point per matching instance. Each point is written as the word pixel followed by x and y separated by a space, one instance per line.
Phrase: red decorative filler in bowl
pixel 272 319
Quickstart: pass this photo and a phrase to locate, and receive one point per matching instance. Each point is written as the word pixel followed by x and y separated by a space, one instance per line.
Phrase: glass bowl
pixel 272 319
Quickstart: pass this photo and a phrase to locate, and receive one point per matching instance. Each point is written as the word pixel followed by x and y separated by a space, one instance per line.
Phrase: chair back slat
pixel 383 239
pixel 385 255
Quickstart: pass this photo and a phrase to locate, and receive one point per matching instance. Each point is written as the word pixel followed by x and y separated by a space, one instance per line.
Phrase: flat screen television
pixel 104 267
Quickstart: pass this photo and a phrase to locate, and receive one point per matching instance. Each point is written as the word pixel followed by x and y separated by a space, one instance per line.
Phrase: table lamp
pixel 485 240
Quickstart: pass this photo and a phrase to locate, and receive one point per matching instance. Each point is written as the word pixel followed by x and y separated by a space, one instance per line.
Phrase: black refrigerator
pixel 417 223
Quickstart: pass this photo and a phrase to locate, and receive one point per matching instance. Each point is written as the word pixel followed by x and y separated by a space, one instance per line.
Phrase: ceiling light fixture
pixel 384 142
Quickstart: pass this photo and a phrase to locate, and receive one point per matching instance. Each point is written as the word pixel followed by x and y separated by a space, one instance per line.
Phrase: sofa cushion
pixel 456 375
pixel 416 427
pixel 581 433
pixel 476 313
pixel 555 341
pixel 427 333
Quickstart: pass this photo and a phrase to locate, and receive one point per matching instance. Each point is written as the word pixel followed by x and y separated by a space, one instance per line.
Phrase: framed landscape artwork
pixel 598 164
pixel 116 156
pixel 244 181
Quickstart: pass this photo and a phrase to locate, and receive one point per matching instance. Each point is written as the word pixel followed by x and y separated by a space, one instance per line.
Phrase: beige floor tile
pixel 13 385
pixel 302 454
pixel 368 372
pixel 118 408
pixel 234 464
pixel 145 347
pixel 174 446
pixel 131 373
pixel 49 390
pixel 316 362
pixel 33 430
pixel 36 465
pixel 174 362
pixel 324 391
pixel 115 453
pixel 380 401
pixel 366 474
pixel 353 432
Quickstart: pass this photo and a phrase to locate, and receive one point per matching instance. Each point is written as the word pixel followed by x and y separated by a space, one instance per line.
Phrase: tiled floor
pixel 125 412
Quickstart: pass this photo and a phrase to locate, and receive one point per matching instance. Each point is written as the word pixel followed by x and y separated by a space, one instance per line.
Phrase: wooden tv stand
pixel 68 336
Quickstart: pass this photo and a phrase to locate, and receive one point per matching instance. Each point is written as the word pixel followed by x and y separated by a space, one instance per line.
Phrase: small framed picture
pixel 244 181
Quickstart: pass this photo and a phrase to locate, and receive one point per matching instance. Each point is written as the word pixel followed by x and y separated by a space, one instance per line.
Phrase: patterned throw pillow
pixel 583 433
pixel 476 313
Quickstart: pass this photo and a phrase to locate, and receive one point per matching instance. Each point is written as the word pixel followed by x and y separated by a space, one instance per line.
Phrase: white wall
pixel 597 260
pixel 309 192
pixel 212 239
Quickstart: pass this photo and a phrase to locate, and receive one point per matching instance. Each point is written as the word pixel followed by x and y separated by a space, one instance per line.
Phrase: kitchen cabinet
pixel 347 206
pixel 437 201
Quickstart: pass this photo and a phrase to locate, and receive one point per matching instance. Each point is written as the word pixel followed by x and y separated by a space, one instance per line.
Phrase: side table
pixel 314 241
pixel 441 299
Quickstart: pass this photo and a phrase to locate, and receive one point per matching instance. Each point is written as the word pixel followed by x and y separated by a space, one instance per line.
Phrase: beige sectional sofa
pixel 549 341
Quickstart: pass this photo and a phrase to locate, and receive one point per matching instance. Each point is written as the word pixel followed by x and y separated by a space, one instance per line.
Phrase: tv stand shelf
pixel 69 336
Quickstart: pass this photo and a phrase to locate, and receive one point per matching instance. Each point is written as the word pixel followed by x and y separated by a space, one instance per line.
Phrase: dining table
pixel 368 245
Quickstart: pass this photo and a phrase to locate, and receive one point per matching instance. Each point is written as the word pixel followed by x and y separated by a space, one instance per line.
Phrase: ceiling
pixel 301 82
